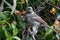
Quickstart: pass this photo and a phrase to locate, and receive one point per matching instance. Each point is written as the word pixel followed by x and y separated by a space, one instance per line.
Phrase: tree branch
pixel 14 6
pixel 53 6
pixel 2 6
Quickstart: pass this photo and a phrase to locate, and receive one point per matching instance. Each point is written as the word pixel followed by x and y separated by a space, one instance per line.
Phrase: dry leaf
pixel 57 26
pixel 18 12
pixel 21 12
pixel 58 31
pixel 56 23
pixel 22 1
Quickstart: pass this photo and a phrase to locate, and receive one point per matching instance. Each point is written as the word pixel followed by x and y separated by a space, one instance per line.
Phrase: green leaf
pixel 20 22
pixel 4 15
pixel 59 2
pixel 30 38
pixel 7 34
pixel 27 2
pixel 15 37
pixel 48 31
pixel 15 30
pixel 19 6
pixel 53 1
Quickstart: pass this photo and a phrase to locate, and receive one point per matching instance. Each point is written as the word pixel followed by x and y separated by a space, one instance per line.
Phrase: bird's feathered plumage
pixel 35 20
pixel 33 16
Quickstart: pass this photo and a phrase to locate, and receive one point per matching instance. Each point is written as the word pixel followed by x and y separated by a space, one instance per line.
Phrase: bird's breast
pixel 36 23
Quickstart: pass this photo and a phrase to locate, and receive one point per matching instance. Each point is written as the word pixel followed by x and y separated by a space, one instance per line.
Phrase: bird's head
pixel 29 9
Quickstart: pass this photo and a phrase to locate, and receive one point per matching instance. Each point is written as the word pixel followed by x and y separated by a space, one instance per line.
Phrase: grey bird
pixel 35 20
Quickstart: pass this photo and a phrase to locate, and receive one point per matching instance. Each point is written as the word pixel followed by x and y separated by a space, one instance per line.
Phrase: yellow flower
pixel 53 11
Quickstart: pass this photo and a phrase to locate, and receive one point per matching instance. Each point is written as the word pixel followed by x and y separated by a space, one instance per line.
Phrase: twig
pixel 40 8
pixel 29 26
pixel 9 4
pixel 53 6
pixel 23 34
pixel 42 3
pixel 2 6
pixel 52 29
pixel 14 6
pixel 50 15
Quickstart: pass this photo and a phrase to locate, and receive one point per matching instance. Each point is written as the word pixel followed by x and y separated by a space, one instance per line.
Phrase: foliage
pixel 12 26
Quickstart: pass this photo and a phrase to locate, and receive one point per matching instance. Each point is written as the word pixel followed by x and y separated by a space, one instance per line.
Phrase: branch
pixel 14 6
pixel 2 6
pixel 41 7
pixel 51 29
pixel 9 4
pixel 53 6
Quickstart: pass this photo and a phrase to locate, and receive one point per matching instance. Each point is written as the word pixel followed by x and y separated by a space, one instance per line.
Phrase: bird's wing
pixel 38 19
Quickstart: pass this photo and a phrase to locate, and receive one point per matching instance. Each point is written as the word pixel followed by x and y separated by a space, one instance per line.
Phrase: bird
pixel 35 20
pixel 33 16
